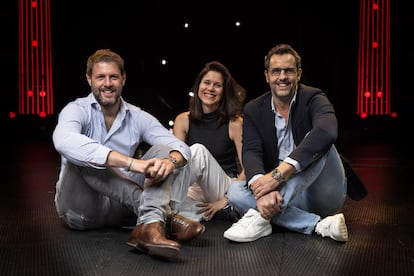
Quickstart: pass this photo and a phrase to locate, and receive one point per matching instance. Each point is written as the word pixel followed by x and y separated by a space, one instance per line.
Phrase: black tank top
pixel 216 140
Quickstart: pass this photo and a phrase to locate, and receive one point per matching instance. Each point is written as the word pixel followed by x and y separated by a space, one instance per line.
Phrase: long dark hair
pixel 231 104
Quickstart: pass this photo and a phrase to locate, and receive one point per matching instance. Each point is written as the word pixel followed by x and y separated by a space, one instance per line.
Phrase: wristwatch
pixel 173 160
pixel 277 175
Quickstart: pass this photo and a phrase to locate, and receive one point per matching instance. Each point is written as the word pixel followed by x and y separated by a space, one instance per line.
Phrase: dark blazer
pixel 314 128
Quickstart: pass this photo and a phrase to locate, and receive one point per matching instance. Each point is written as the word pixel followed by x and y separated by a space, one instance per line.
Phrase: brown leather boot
pixel 183 229
pixel 150 238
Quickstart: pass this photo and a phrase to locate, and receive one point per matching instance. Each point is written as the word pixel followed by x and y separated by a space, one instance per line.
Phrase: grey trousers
pixel 88 198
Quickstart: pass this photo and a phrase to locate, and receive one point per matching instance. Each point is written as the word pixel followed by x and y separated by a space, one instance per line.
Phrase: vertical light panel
pixel 35 58
pixel 374 80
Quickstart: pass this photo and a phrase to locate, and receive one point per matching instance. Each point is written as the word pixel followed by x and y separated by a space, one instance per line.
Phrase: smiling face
pixel 210 91
pixel 106 82
pixel 282 75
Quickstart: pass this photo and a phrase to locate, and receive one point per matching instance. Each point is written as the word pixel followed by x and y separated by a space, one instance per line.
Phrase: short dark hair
pixel 281 49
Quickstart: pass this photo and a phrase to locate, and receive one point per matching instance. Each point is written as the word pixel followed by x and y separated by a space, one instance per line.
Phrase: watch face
pixel 277 175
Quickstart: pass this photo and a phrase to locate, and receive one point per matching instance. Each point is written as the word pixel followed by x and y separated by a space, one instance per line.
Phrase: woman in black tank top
pixel 215 120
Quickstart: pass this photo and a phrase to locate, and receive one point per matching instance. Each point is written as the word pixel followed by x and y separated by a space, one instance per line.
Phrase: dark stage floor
pixel 34 242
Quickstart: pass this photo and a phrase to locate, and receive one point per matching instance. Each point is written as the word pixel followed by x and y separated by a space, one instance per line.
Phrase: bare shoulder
pixel 181 125
pixel 182 117
pixel 235 127
pixel 236 122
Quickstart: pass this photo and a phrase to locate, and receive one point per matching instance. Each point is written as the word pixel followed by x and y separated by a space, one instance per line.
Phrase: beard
pixel 104 102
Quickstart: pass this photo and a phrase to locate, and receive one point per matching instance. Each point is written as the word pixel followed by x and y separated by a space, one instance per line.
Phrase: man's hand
pixel 156 170
pixel 269 204
pixel 263 185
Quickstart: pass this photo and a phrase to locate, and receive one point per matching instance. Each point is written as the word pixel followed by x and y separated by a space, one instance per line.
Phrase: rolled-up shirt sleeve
pixel 71 142
pixel 81 136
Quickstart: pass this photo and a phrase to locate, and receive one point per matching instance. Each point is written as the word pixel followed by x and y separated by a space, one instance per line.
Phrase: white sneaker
pixel 333 227
pixel 250 227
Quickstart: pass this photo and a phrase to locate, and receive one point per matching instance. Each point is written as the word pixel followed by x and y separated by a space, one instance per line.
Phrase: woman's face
pixel 210 91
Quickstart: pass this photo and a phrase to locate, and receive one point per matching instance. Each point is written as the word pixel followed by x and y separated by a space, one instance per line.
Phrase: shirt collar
pixel 290 106
pixel 95 104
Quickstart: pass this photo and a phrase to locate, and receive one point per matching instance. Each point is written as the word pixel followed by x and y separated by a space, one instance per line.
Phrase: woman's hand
pixel 211 208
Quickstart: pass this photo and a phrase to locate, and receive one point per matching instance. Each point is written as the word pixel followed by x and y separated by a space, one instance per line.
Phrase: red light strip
pixel 374 90
pixel 35 58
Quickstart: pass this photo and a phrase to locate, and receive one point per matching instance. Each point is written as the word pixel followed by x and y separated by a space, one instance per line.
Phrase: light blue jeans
pixel 308 196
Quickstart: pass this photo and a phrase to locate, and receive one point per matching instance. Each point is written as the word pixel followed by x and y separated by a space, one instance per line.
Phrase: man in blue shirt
pixel 102 182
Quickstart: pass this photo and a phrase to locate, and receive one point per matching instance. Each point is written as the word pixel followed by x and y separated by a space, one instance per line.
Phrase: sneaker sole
pixel 247 239
pixel 342 229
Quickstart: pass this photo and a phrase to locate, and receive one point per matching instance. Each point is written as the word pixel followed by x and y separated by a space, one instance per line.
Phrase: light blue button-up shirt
pixel 82 138
pixel 286 144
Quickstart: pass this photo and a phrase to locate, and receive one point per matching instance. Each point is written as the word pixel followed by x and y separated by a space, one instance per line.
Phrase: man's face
pixel 106 83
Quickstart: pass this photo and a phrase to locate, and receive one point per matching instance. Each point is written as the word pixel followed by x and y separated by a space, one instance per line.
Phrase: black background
pixel 325 33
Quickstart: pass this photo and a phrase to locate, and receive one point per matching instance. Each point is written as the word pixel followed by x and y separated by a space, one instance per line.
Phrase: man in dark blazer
pixel 295 175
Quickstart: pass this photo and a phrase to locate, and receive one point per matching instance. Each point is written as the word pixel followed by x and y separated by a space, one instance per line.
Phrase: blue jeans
pixel 308 196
